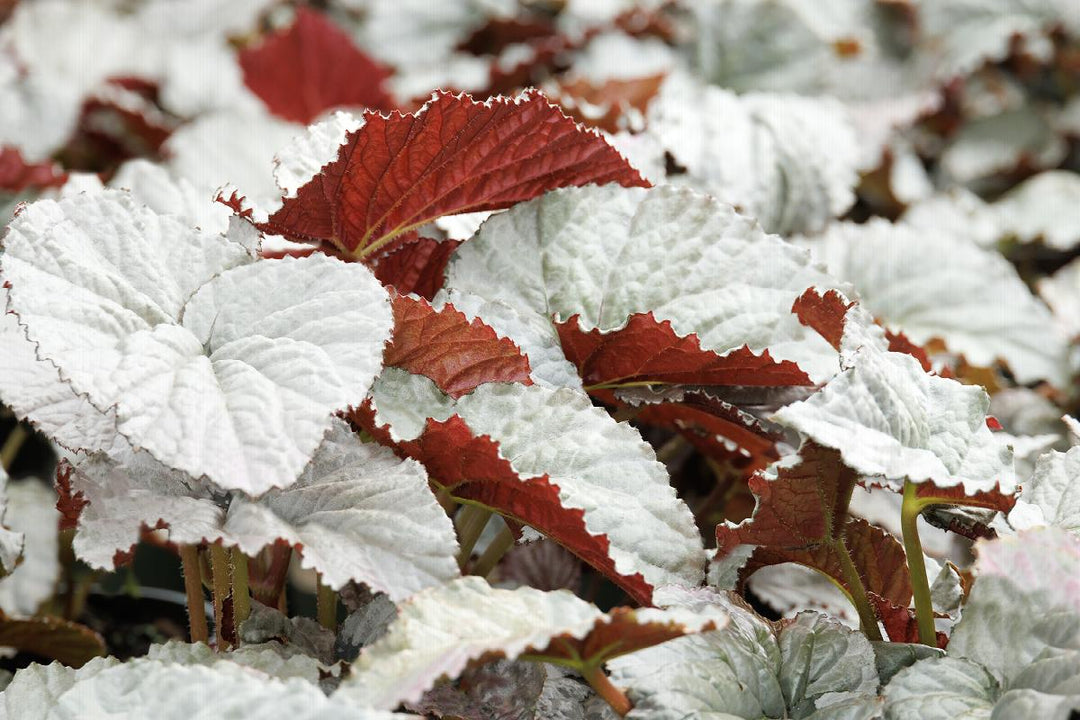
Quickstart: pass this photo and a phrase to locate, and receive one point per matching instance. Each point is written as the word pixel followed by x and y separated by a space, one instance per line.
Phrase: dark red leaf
pixel 648 351
pixel 17 175
pixel 472 469
pixel 68 503
pixel 311 67
pixel 900 622
pixel 825 314
pixel 456 354
pixel 53 638
pixel 609 102
pixel 454 155
pixel 416 266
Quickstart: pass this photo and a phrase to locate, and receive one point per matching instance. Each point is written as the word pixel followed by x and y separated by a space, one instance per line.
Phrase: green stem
pixel 219 561
pixel 471 521
pixel 240 592
pixel 857 592
pixel 920 586
pixel 12 445
pixel 189 559
pixel 327 606
pixel 612 695
pixel 494 552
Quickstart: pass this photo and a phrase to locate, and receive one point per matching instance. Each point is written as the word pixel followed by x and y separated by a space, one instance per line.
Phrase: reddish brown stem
pixel 612 695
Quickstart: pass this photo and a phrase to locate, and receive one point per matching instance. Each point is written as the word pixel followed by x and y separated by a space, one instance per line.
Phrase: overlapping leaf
pixel 549 459
pixel 933 287
pixel 311 67
pixel 356 513
pixel 204 367
pixel 11 542
pixel 439 632
pixel 1052 496
pixel 31 510
pixel 606 254
pixel 50 637
pixel 454 155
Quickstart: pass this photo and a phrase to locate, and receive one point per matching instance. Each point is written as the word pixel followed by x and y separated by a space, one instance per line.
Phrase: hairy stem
pixel 240 591
pixel 219 561
pixel 612 695
pixel 920 586
pixel 12 445
pixel 327 606
pixel 470 524
pixel 196 607
pixel 867 617
pixel 494 552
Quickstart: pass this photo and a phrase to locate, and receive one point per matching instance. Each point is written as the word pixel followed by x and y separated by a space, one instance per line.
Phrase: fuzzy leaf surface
pixel 454 155
pixel 11 541
pixel 219 367
pixel 607 253
pixel 439 632
pixel 1052 494
pixel 551 460
pixel 32 512
pixel 311 67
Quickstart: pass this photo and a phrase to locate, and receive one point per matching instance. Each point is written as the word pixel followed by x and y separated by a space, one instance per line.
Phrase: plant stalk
pixel 867 617
pixel 920 585
pixel 470 525
pixel 327 606
pixel 219 560
pixel 12 445
pixel 240 590
pixel 189 559
pixel 494 553
pixel 612 695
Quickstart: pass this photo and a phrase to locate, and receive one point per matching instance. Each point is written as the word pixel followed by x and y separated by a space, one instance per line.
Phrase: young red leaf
pixel 444 346
pixel 825 313
pixel 648 351
pixel 17 175
pixel 454 155
pixel 471 467
pixel 416 266
pixel 311 67
pixel 900 622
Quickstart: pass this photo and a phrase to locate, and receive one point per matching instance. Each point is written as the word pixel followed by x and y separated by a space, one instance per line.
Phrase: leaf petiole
pixel 189 559
pixel 910 510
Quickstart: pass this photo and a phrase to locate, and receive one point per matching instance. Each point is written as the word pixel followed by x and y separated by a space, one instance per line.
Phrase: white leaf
pixel 11 542
pixel 608 252
pixel 1054 491
pixel 941 689
pixel 306 154
pixel 999 143
pixel 359 513
pixel 1024 604
pixel 154 186
pixel 600 466
pixel 145 688
pixel 930 286
pixel 1061 291
pixel 438 632
pixel 356 513
pixel 215 365
pixel 786 160
pixel 956 213
pixel 1038 208
pixel 889 418
pixel 271 658
pixel 31 510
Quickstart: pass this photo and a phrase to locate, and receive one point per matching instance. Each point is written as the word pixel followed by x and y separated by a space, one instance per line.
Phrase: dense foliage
pixel 566 359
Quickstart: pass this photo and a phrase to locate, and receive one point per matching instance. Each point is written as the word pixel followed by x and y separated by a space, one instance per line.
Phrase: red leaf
pixel 417 266
pixel 456 354
pixel 69 504
pixel 826 314
pixel 472 469
pixel 993 423
pixel 52 637
pixel 17 175
pixel 900 622
pixel 312 67
pixel 454 155
pixel 649 351
pixel 605 105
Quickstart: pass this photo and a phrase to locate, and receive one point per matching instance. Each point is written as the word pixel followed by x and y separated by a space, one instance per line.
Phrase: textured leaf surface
pixel 152 688
pixel 458 355
pixel 551 460
pixel 54 638
pixel 888 418
pixel 648 351
pixel 310 67
pixel 1052 496
pixel 356 513
pixel 440 631
pixel 608 253
pixel 417 266
pixel 1025 602
pixel 941 688
pixel 930 286
pixel 789 161
pixel 749 669
pixel 218 367
pixel 11 541
pixel 454 155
